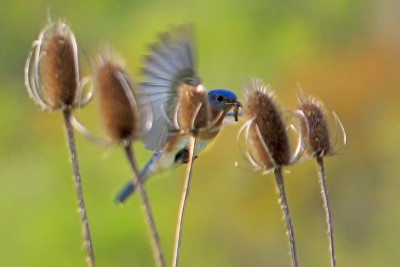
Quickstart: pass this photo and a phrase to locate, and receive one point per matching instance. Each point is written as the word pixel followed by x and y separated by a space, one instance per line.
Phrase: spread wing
pixel 170 63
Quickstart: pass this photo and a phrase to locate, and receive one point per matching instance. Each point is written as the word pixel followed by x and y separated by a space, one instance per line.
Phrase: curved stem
pixel 157 252
pixel 78 186
pixel 185 193
pixel 328 218
pixel 285 209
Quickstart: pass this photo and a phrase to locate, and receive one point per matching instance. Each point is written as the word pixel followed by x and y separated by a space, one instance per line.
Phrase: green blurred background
pixel 345 52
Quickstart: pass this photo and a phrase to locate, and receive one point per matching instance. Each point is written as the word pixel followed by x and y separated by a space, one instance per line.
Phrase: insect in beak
pixel 236 107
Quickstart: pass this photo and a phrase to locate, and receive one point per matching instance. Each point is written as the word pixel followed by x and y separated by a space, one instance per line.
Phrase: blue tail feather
pixel 125 192
pixel 130 186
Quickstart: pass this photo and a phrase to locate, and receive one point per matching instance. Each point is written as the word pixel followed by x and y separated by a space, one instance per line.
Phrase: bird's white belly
pixel 167 160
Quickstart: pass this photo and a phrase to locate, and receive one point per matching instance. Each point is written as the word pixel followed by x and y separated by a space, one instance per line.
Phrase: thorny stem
pixel 78 187
pixel 328 218
pixel 185 193
pixel 157 252
pixel 285 209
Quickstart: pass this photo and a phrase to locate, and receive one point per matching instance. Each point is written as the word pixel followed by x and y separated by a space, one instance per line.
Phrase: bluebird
pixel 168 70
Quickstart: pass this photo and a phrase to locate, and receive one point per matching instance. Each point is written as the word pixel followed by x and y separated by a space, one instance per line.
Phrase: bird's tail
pixel 130 186
pixel 125 192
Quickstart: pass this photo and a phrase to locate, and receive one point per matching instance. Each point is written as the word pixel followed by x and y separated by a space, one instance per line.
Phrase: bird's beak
pixel 233 103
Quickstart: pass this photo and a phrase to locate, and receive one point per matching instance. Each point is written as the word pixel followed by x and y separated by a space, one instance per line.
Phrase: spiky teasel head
pixel 52 69
pixel 193 109
pixel 118 106
pixel 267 142
pixel 61 70
pixel 315 127
pixel 318 140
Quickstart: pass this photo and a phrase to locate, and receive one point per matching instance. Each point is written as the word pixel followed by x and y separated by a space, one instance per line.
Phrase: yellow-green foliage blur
pixel 347 53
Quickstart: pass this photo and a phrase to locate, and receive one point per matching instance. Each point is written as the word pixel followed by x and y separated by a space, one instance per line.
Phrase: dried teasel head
pixel 193 111
pixel 315 127
pixel 118 106
pixel 52 69
pixel 318 139
pixel 267 142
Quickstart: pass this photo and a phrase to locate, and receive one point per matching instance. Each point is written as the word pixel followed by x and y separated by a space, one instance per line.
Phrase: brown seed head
pixel 61 68
pixel 118 106
pixel 318 131
pixel 260 105
pixel 193 109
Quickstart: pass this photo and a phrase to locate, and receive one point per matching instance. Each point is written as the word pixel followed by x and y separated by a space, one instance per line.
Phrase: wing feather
pixel 170 63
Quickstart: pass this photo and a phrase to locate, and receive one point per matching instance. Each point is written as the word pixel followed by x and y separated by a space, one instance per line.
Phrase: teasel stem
pixel 319 145
pixel 285 209
pixel 78 186
pixel 267 145
pixel 156 246
pixel 328 218
pixel 182 205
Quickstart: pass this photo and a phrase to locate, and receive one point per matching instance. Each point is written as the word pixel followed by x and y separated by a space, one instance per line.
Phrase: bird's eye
pixel 220 98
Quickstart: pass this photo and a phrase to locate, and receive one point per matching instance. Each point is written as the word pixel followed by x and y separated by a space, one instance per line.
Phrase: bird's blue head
pixel 223 99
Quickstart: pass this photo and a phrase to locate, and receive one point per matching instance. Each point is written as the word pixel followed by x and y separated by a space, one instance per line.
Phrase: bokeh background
pixel 345 52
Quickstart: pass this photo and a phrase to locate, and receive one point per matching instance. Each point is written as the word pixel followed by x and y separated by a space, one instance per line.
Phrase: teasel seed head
pixel 315 127
pixel 61 70
pixel 52 69
pixel 118 106
pixel 266 136
pixel 193 109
